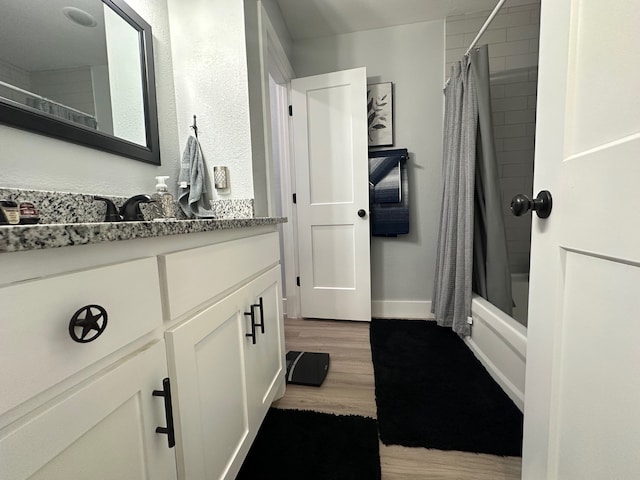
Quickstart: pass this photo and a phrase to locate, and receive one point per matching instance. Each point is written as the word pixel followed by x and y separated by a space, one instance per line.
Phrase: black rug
pixel 296 444
pixel 432 392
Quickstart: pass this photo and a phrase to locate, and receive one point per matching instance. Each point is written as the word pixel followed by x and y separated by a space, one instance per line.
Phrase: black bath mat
pixel 296 444
pixel 432 392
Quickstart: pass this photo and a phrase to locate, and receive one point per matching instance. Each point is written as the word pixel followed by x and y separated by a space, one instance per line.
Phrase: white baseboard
pixel 391 309
pixel 401 309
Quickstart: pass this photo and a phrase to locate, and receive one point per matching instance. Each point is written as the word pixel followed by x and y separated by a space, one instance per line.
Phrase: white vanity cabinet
pixel 102 429
pixel 265 363
pixel 210 394
pixel 90 409
pixel 178 308
pixel 224 382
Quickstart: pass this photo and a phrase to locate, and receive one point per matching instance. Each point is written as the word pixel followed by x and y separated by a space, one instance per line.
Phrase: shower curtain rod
pixel 486 25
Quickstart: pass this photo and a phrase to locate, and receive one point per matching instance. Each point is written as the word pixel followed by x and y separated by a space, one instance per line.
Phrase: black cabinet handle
pixel 253 325
pixel 261 307
pixel 168 412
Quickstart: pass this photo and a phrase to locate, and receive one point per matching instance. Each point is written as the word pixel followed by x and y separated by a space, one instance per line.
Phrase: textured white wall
pixel 37 162
pixel 209 59
pixel 412 57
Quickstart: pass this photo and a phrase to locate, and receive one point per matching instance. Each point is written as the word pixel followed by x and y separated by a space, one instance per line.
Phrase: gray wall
pixel 275 16
pixel 261 165
pixel 412 57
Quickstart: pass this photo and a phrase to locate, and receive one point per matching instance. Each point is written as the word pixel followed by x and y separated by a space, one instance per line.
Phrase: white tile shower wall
pixel 513 61
pixel 515 142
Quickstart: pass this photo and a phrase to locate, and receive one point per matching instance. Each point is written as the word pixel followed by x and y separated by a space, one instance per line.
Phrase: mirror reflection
pixel 78 61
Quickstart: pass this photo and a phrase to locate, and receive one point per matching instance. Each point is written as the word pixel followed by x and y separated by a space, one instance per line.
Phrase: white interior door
pixel 332 185
pixel 582 390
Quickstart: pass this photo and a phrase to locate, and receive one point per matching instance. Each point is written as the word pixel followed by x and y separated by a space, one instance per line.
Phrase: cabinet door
pixel 206 363
pixel 265 358
pixel 103 429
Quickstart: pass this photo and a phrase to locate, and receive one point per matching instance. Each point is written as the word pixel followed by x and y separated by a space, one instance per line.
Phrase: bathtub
pixel 500 341
pixel 520 293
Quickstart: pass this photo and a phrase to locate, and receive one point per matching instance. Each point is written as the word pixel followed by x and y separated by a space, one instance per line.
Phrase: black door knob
pixel 361 213
pixel 542 204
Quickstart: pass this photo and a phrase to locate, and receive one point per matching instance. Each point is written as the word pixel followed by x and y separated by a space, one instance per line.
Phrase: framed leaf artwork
pixel 380 114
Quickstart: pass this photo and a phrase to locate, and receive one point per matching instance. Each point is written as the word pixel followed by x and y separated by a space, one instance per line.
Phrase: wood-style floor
pixel 349 389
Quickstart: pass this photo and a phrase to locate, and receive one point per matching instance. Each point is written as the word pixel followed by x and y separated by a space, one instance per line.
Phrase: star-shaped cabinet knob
pixel 88 323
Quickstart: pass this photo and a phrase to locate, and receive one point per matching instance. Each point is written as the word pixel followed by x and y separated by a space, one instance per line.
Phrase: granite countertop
pixel 68 219
pixel 53 235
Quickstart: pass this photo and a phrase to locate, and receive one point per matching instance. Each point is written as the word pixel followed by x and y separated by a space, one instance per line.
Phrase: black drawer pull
pixel 253 325
pixel 168 412
pixel 261 306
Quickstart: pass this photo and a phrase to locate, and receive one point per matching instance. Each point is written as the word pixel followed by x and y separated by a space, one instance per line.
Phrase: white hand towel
pixel 192 181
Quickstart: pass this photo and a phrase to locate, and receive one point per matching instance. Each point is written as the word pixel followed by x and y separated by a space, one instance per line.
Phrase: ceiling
pixel 323 18
pixel 35 35
pixel 44 45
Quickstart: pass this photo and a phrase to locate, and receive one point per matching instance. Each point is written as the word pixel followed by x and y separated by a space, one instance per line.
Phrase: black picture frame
pixel 380 114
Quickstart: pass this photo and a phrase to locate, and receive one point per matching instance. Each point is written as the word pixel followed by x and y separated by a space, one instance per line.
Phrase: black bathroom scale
pixel 307 368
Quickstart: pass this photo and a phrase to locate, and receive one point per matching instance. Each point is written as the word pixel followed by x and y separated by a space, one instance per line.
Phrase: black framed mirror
pixel 81 71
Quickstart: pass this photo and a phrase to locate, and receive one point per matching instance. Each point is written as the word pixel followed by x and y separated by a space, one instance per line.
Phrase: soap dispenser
pixel 164 199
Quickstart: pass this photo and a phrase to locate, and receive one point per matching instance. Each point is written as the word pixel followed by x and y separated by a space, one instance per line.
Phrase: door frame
pixel 274 61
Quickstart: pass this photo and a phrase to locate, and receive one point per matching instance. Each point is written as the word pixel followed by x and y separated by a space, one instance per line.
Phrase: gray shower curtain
pixel 468 164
